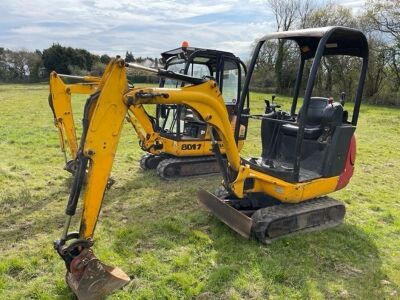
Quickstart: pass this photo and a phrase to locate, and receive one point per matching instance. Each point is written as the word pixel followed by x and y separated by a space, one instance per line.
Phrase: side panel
pixel 335 158
pixel 285 191
pixel 348 171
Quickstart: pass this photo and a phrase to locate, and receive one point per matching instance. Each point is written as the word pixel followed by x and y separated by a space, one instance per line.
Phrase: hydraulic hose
pixel 81 160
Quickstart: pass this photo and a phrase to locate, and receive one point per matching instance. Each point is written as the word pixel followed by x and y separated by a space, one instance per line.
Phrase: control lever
pixel 271 106
pixel 274 106
pixel 267 106
pixel 342 98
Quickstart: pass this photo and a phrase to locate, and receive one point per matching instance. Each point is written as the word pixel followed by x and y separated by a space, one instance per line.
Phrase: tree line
pixel 278 61
pixel 378 19
pixel 34 66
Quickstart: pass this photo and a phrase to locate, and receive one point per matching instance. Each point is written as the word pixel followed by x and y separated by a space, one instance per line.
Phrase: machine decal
pixel 191 146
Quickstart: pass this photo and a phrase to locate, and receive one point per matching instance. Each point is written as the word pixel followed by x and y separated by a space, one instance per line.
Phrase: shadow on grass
pixel 21 224
pixel 148 215
pixel 340 262
pixel 167 214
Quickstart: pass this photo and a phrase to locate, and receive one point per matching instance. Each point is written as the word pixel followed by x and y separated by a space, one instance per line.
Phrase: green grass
pixel 157 233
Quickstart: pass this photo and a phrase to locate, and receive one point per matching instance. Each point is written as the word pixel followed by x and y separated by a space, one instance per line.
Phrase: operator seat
pixel 314 123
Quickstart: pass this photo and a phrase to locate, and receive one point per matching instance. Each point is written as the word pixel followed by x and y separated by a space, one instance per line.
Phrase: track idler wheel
pixel 90 279
pixel 149 161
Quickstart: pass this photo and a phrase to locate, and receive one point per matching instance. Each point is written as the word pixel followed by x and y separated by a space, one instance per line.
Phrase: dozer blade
pixel 90 279
pixel 230 216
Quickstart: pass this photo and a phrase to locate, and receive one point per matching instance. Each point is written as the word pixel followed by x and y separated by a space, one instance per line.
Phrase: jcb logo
pixel 191 146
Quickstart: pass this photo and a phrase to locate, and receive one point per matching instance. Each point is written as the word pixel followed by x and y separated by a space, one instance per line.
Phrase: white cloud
pixel 141 26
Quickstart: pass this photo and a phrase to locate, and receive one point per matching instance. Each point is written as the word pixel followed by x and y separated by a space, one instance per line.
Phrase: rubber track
pixel 195 165
pixel 263 218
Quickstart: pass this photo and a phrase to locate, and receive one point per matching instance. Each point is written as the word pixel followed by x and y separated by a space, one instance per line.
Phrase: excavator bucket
pixel 90 279
pixel 232 217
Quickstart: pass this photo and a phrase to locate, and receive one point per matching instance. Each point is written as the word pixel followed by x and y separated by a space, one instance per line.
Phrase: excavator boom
pixel 104 115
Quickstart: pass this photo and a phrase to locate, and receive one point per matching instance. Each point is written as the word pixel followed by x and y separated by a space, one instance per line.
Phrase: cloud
pixel 144 27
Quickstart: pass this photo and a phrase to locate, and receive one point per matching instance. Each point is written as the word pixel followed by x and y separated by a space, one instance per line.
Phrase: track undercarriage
pixel 176 167
pixel 277 220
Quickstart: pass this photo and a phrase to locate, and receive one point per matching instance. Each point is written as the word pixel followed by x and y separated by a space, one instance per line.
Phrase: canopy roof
pixel 201 52
pixel 341 40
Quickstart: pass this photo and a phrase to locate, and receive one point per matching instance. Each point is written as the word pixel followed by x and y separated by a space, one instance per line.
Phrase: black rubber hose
pixel 220 161
pixel 85 119
pixel 181 77
pixel 81 160
pixel 50 99
pixel 79 178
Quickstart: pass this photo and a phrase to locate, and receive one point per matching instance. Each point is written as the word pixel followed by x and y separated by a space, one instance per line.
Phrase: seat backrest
pixel 315 110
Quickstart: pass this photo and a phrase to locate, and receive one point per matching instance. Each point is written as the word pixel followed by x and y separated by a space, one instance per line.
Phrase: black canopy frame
pixel 315 43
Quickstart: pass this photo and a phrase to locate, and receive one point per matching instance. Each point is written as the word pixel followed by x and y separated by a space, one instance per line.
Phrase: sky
pixel 146 28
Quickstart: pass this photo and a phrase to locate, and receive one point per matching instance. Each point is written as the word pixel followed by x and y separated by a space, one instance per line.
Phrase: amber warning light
pixel 185 44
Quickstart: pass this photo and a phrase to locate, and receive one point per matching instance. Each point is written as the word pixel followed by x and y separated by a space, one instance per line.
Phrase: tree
pixel 129 57
pixel 19 66
pixel 334 68
pixel 105 59
pixel 56 58
pixel 64 59
pixel 35 65
pixel 385 17
pixel 376 68
pixel 3 67
pixel 288 14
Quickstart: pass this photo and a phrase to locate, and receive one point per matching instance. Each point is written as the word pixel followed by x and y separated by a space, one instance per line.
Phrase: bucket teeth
pixel 90 279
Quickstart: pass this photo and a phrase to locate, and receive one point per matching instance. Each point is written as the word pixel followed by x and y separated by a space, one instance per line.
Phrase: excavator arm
pixel 103 119
pixel 143 127
pixel 60 103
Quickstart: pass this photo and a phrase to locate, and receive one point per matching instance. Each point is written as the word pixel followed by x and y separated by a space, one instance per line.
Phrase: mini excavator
pixel 177 141
pixel 305 155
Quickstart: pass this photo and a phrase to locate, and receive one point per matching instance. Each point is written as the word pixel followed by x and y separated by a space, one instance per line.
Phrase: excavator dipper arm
pixel 60 104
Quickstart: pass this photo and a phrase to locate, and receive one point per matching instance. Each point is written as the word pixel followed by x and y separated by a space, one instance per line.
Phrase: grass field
pixel 156 232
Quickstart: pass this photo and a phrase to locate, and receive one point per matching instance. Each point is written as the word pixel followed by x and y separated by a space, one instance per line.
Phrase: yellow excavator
pixel 177 142
pixel 307 153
